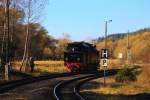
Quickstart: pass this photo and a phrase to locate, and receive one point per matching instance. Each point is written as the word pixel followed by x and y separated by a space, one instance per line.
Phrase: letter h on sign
pixel 104 53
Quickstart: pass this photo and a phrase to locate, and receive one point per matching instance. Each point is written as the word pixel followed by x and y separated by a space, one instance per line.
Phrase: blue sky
pixel 85 19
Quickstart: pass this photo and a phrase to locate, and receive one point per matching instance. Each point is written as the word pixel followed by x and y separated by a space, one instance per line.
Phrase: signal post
pixel 104 61
pixel 104 52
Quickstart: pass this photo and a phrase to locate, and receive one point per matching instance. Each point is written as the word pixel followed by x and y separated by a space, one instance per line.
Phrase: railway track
pixel 4 87
pixel 75 82
pixel 21 74
pixel 70 89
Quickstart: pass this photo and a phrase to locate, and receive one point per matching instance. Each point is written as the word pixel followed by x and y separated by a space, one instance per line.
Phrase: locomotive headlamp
pixel 73 49
pixel 66 59
pixel 78 59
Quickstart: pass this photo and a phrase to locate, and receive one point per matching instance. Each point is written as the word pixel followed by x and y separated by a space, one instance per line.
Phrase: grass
pixel 50 66
pixel 142 85
pixel 45 66
pixel 58 66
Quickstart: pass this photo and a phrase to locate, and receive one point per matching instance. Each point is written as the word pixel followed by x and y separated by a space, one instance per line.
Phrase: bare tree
pixel 32 10
pixel 32 13
pixel 3 4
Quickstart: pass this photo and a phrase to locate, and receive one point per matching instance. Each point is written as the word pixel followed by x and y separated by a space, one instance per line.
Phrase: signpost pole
pixel 104 62
pixel 104 75
pixel 105 67
pixel 105 51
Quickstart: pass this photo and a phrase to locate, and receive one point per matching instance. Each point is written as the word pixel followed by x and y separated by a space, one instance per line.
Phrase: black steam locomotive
pixel 81 57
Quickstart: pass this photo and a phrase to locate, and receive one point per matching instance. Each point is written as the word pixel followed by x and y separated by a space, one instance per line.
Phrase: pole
pixel 105 48
pixel 128 39
pixel 105 67
pixel 7 65
pixel 104 75
pixel 128 49
pixel 105 34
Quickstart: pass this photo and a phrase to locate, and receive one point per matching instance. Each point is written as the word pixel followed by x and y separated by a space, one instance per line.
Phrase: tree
pixel 47 52
pixel 62 44
pixel 32 9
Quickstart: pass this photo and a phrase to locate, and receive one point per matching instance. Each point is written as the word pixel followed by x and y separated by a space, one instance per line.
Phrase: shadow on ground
pixel 89 95
pixel 96 96
pixel 96 85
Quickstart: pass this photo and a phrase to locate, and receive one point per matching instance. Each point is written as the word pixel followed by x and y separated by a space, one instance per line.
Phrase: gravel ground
pixel 42 90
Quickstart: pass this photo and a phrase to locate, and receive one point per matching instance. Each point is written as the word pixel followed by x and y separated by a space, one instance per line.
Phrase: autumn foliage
pixel 139 43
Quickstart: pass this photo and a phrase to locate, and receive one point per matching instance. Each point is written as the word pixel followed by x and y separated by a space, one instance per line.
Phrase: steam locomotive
pixel 81 57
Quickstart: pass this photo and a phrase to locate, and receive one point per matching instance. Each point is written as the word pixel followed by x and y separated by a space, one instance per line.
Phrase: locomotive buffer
pixel 104 61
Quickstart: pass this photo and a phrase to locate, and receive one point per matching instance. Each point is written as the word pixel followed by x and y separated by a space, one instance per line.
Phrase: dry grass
pixel 114 63
pixel 51 66
pixel 49 62
pixel 142 85
pixel 58 66
pixel 45 66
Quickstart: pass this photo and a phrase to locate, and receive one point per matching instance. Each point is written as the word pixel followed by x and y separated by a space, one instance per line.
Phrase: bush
pixel 125 75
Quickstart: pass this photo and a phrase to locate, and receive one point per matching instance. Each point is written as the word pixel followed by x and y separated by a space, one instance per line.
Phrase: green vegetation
pixel 126 74
pixel 140 86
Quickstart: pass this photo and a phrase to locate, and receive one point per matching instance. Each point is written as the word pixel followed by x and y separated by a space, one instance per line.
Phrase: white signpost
pixel 104 60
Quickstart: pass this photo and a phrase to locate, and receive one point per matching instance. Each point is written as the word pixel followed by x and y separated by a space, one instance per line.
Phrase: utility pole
pixel 128 49
pixel 106 34
pixel 106 27
pixel 106 49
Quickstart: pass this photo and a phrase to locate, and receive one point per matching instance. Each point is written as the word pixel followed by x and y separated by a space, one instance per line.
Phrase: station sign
pixel 104 54
pixel 104 62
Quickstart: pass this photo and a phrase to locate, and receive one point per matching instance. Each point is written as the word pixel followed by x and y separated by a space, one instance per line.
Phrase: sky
pixel 85 19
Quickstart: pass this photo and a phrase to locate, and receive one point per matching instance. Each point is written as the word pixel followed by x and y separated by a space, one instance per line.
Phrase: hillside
pixel 118 36
pixel 139 43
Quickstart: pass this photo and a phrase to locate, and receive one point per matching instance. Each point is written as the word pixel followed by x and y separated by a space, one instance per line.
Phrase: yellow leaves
pixel 62 44
pixel 146 37
pixel 144 76
pixel 100 45
pixel 145 34
pixel 139 44
pixel 47 51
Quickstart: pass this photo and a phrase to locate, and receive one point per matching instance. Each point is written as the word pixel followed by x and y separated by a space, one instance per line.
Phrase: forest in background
pixel 139 42
pixel 42 45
